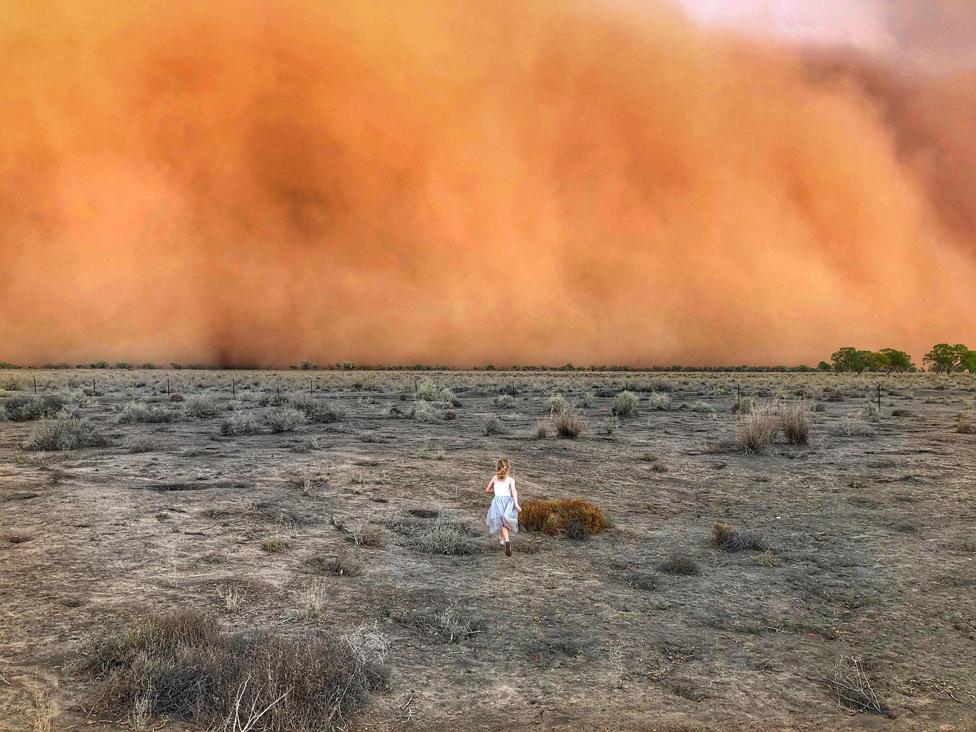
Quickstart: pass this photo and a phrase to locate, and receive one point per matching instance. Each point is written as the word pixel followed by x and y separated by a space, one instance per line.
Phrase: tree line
pixel 943 358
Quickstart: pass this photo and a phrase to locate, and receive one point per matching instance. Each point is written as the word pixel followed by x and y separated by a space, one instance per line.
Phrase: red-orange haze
pixel 468 183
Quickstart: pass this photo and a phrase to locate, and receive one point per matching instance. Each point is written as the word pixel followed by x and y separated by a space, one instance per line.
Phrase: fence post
pixel 233 387
pixel 310 386
pixel 93 386
pixel 35 386
pixel 879 398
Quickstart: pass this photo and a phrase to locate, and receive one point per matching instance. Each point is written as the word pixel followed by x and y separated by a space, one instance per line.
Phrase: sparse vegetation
pixel 445 537
pixel 660 401
pixel 199 407
pixel 728 539
pixel 680 564
pixel 239 423
pixel 27 408
pixel 139 412
pixel 183 666
pixel 284 419
pixel 492 426
pixel 64 434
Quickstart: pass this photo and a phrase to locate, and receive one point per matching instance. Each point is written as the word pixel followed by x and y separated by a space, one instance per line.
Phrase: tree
pixel 968 362
pixel 824 366
pixel 849 358
pixel 876 361
pixel 945 357
pixel 897 360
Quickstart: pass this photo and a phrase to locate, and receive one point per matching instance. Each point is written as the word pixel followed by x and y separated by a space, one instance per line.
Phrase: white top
pixel 503 487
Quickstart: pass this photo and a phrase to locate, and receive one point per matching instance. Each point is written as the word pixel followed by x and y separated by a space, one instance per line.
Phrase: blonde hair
pixel 502 468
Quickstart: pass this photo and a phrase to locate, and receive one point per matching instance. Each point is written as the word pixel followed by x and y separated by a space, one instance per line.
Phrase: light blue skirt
pixel 502 512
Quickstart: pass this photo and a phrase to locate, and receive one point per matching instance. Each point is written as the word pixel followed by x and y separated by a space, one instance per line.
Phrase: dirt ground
pixel 870 527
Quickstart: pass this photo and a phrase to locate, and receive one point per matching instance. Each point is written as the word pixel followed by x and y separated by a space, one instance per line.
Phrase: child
pixel 504 510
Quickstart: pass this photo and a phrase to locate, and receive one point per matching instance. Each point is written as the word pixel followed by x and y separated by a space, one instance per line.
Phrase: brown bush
pixel 758 429
pixel 796 420
pixel 183 666
pixel 562 516
pixel 569 423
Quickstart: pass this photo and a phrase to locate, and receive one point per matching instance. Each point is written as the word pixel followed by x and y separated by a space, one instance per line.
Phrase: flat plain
pixel 316 503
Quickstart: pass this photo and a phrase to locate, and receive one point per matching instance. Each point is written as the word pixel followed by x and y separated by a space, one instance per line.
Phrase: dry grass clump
pixel 543 427
pixel 504 401
pixel 370 537
pixel 284 419
pixel 239 423
pixel 660 401
pixel 64 434
pixel 275 545
pixel 200 407
pixel 445 537
pixel 338 566
pixel 758 428
pixel 625 404
pixel 556 403
pixel 139 412
pixel 27 408
pixel 423 412
pixel 966 426
pixel 680 564
pixel 183 666
pixel 140 444
pixel 728 539
pixel 853 687
pixel 316 411
pixel 796 420
pixel 492 426
pixel 449 624
pixel 569 423
pixel 610 425
pixel 572 517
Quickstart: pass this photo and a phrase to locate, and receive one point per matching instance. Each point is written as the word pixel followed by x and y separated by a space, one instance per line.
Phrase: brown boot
pixel 508 548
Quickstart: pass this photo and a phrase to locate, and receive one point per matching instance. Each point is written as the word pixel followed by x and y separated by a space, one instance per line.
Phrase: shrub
pixel 758 428
pixel 424 413
pixel 680 564
pixel 660 400
pixel 445 537
pixel 492 426
pixel 796 419
pixel 448 397
pixel 448 624
pixel 139 412
pixel 200 407
pixel 140 443
pixel 587 400
pixel 625 404
pixel 556 403
pixel 504 401
pixel 726 538
pixel 702 407
pixel 427 390
pixel 610 425
pixel 284 419
pixel 64 434
pixel 569 423
pixel 183 666
pixel 26 408
pixel 965 426
pixel 554 517
pixel 275 545
pixel 239 423
pixel 316 411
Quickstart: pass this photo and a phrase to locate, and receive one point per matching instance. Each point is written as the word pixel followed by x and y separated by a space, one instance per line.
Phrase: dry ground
pixel 872 547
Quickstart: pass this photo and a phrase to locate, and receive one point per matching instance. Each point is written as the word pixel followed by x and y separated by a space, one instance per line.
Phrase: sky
pixel 619 182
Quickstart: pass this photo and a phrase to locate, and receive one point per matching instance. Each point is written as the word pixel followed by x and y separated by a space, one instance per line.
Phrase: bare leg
pixel 504 533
